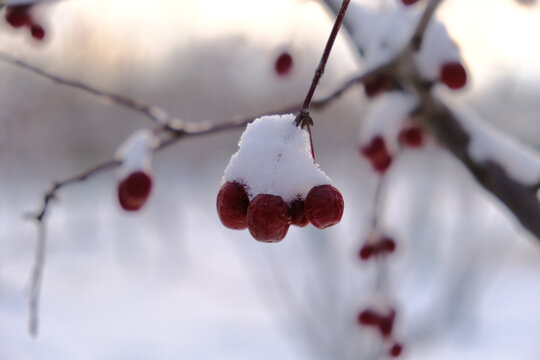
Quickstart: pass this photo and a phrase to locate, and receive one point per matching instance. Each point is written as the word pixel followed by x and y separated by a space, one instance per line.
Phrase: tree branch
pixel 519 198
pixel 156 114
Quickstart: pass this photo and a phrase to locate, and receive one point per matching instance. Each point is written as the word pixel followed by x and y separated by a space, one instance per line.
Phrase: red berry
pixel 297 213
pixel 375 86
pixel 386 323
pixel 284 64
pixel 387 245
pixel 453 75
pixel 409 2
pixel 324 206
pixel 37 32
pixel 133 191
pixel 232 205
pixel 396 350
pixel 412 136
pixel 268 218
pixel 18 15
pixel 368 317
pixel 366 252
pixel 378 155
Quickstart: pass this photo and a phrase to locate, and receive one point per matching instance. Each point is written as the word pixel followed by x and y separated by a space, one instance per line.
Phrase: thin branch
pixel 156 114
pixel 418 35
pixel 301 120
pixel 36 280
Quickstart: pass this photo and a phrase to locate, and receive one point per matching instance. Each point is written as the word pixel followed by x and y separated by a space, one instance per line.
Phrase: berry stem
pixel 303 119
pixel 322 64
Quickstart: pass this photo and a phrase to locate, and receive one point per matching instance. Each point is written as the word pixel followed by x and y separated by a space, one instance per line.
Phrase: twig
pixel 418 35
pixel 156 114
pixel 303 119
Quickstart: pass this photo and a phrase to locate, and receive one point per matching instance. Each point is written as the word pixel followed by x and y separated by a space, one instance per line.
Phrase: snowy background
pixel 170 281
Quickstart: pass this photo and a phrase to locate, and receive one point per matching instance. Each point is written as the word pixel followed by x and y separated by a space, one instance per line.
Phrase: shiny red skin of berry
pixel 324 206
pixel 368 317
pixel 396 350
pixel 284 64
pixel 268 218
pixel 18 15
pixel 37 32
pixel 378 154
pixel 297 213
pixel 453 75
pixel 412 136
pixel 232 205
pixel 366 252
pixel 409 2
pixel 134 190
pixel 377 85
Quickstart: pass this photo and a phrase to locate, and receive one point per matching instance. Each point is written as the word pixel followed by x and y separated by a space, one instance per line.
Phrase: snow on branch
pixel 508 170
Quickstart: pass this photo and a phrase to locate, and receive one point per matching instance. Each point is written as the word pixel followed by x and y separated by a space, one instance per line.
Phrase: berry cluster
pixel 268 217
pixel 272 182
pixel 383 35
pixel 384 323
pixel 387 126
pixel 19 16
pixel 134 173
pixel 384 245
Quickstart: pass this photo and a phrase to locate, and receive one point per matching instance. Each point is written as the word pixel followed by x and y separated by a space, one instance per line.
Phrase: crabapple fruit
pixel 368 317
pixel 232 205
pixel 268 218
pixel 37 32
pixel 324 206
pixel 412 136
pixel 366 251
pixel 297 213
pixel 378 154
pixel 453 75
pixel 18 15
pixel 134 190
pixel 396 350
pixel 284 63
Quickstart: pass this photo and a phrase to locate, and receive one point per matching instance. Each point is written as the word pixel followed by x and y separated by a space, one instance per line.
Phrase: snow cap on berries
pixel 135 152
pixel 385 118
pixel 274 157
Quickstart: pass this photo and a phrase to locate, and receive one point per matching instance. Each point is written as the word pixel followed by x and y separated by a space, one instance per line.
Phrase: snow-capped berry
pixel 284 63
pixel 409 2
pixel 268 218
pixel 297 213
pixel 232 205
pixel 18 15
pixel 378 154
pixel 133 191
pixel 377 85
pixel 453 75
pixel 412 136
pixel 37 32
pixel 324 206
pixel 396 350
